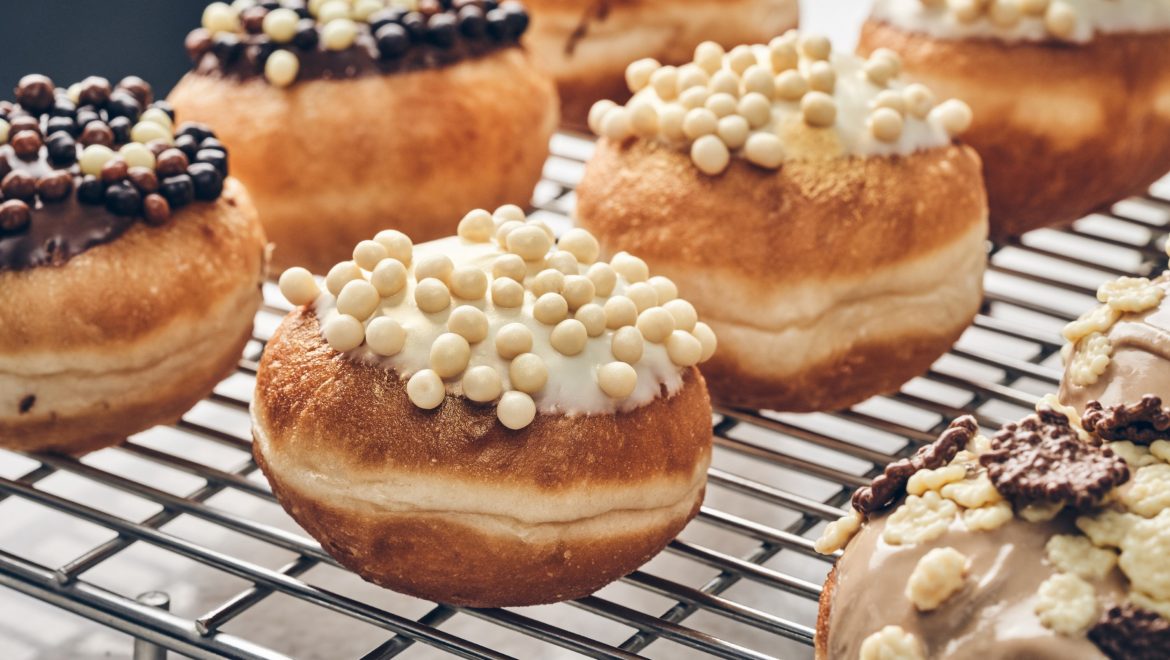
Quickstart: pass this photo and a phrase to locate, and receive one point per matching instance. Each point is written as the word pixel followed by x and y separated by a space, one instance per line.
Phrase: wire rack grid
pixel 184 511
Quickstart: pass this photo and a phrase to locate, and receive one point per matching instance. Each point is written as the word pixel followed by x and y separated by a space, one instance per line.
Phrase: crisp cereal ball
pixel 620 311
pixel 358 299
pixel 819 109
pixel 516 410
pixel 655 324
pixel 683 312
pixel 368 254
pixel 507 293
pixel 449 355
pixel 765 150
pixel 388 277
pixel 344 333
pixel 783 55
pixel 338 34
pixel 755 108
pixel 468 322
pixel 643 295
pixel 684 349
pixel 919 100
pixel 880 70
pixel 581 244
pixel 706 337
pixel 432 296
pixel 512 340
pixel 722 104
pixel 397 244
pixel 699 122
pixel 482 384
pixel 528 373
pixel 886 124
pixel 791 85
pixel 136 155
pixel 508 212
pixel 1005 13
pixel 93 158
pixel 545 228
pixel 691 75
pixel 822 77
pixel 710 155
pixel 638 73
pixel 670 121
pixel 815 46
pixel 627 345
pixel 548 280
pixel 665 83
pixel 281 24
pixel 1034 7
pixel 693 98
pixel 890 56
pixel 340 275
pixel 617 379
pixel 529 242
pixel 385 336
pixel 604 278
pixel 563 262
pixel 219 17
pixel 550 309
pixel 953 115
pixel 1060 19
pixel 758 79
pixel 578 290
pixel 510 266
pixel 426 389
pixel 592 316
pixel 469 283
pixel 643 117
pixel 438 266
pixel 281 68
pixel 709 56
pixel 148 131
pixel 617 124
pixel 630 267
pixel 477 226
pixel 597 113
pixel 298 286
pixel 725 82
pixel 733 130
pixel 569 337
pixel 889 98
pixel 740 58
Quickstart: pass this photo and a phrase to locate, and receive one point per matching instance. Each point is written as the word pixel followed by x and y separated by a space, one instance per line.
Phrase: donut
pixel 130 264
pixel 1071 98
pixel 586 46
pixel 817 211
pixel 1038 542
pixel 345 118
pixel 489 419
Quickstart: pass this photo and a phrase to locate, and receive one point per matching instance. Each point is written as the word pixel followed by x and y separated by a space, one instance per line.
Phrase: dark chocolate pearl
pixel 35 93
pixel 166 107
pixel 114 170
pixel 472 22
pixel 188 145
pixel 121 127
pixel 270 4
pixel 211 142
pixel 61 125
pixel 306 36
pixel 198 43
pixel 157 146
pixel 62 149
pixel 156 209
pixel 94 91
pixel 5 166
pixel 179 190
pixel 384 17
pixel 171 162
pixel 516 17
pixel 300 7
pixel 55 186
pixel 63 107
pixel 215 157
pixel 124 104
pixel 497 25
pixel 24 123
pixel 208 181
pixel 259 53
pixel 489 5
pixel 195 129
pixel 139 88
pixel 442 30
pixel 429 8
pixel 91 190
pixel 14 215
pixel 123 199
pixel 96 132
pixel 19 185
pixel 393 41
pixel 26 145
pixel 253 19
pixel 227 48
pixel 416 26
pixel 87 115
pixel 144 179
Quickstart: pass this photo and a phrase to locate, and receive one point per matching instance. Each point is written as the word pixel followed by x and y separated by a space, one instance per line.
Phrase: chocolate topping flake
pixel 887 487
pixel 1042 459
pixel 1128 632
pixel 1140 423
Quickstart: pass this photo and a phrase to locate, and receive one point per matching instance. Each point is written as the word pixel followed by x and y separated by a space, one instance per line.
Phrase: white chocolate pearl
pixel 388 277
pixel 722 104
pixel 655 324
pixel 733 131
pixel 507 293
pixel 643 117
pixel 449 354
pixel 965 11
pixel 281 24
pixel 298 286
pixel 581 244
pixel 694 97
pixel 385 336
pixel 548 280
pixel 363 9
pixel 146 131
pixel 397 244
pixel 344 333
pixel 432 296
pixel 724 82
pixel 512 340
pixel 1034 7
pixel 665 83
pixel 765 150
pixel 1060 19
pixel 819 109
pixel 758 79
pixel 516 410
pixel 919 100
pixel 468 322
pixel 783 54
pixel 338 34
pixel 604 278
pixel 953 115
pixel 569 337
pixel 815 46
pixel 508 212
pixel 281 68
pixel 684 349
pixel 620 311
pixel 664 288
pixel 358 299
pixel 886 124
pixel 699 122
pixel 477 226
pixel 482 384
pixel 528 373
pixel 597 112
pixel 219 17
pixel 1005 13
pixel 638 73
pixel 710 155
pixel 93 158
pixel 136 155
pixel 880 71
pixel 340 275
pixel 822 77
pixel 426 389
pixel 691 75
pixel 889 98
pixel 5 127
pixel 332 9
pixel 368 254
pixel 469 283
pixel 683 312
pixel 564 262
pixel 529 242
pixel 617 379
pixel 617 124
pixel 627 345
pixel 550 309
pixel 438 266
pixel 709 56
pixel 670 121
pixel 740 58
pixel 630 267
pixel 706 337
pixel 756 109
pixel 592 316
pixel 511 267
pixel 578 290
pixel 791 86
pixel 157 116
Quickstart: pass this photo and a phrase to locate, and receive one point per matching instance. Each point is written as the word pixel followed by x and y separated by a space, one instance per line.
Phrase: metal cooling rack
pixel 183 514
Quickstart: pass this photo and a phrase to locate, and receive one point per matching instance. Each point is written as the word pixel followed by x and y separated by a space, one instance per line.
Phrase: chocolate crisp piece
pixel 1042 459
pixel 887 487
pixel 1128 632
pixel 1141 423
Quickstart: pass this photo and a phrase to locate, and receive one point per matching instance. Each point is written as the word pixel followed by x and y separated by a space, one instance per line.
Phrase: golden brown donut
pixel 107 335
pixel 516 472
pixel 829 278
pixel 587 45
pixel 331 160
pixel 1064 128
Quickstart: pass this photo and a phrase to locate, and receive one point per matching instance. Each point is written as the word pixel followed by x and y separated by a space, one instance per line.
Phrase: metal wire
pixel 796 471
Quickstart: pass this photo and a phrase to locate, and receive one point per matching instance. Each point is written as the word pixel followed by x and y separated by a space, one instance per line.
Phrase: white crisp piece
pixel 986 518
pixel 1145 556
pixel 1067 604
pixel 937 576
pixel 838 533
pixel 891 643
pixel 924 480
pixel 1090 358
pixel 919 519
pixel 1107 528
pixel 1077 555
pixel 1036 512
pixel 1148 493
pixel 1098 319
pixel 972 493
pixel 1131 294
pixel 1161 450
pixel 1135 455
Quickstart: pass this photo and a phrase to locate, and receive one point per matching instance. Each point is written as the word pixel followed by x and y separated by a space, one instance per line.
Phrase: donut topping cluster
pixel 1089 350
pixel 505 313
pixel 793 98
pixel 1143 423
pixel 1131 632
pixel 289 40
pixel 79 166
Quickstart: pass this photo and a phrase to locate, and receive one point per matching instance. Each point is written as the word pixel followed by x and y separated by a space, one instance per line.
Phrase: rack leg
pixel 144 650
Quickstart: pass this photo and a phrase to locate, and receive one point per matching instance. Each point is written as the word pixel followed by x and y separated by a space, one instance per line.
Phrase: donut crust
pixel 478 515
pixel 806 273
pixel 1063 129
pixel 332 162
